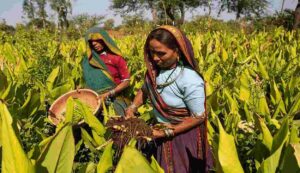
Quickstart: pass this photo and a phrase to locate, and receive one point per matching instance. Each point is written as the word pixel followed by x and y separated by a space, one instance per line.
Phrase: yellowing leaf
pixel 106 160
pixel 244 86
pixel 58 155
pixel 133 161
pixel 51 79
pixel 14 159
pixel 262 68
pixel 224 54
pixel 227 153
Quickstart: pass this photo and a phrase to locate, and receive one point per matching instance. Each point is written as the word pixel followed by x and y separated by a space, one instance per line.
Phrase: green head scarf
pixel 95 72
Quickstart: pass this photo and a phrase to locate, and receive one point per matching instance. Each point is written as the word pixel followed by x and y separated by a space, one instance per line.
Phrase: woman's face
pixel 97 45
pixel 163 56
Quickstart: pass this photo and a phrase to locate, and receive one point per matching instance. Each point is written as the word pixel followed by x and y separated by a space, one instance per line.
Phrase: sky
pixel 11 10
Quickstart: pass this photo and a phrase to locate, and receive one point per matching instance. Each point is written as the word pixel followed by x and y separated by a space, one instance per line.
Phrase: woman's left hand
pixel 104 96
pixel 158 133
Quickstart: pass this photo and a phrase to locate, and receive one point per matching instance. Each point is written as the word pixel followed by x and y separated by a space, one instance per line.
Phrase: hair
pixel 164 37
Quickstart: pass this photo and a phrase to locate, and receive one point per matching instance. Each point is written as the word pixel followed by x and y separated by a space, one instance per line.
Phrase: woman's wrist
pixel 112 93
pixel 133 107
pixel 169 132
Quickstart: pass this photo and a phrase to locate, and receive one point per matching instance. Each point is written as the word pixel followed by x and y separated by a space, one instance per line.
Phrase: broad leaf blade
pixel 227 152
pixel 13 155
pixel 133 161
pixel 106 161
pixel 59 153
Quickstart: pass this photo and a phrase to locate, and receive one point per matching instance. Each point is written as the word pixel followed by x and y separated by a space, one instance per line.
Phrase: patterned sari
pixel 96 73
pixel 186 152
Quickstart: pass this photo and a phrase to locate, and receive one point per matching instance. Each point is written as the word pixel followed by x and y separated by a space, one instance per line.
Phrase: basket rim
pixel 70 92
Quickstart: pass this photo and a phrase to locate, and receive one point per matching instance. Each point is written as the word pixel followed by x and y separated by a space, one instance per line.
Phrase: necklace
pixel 166 83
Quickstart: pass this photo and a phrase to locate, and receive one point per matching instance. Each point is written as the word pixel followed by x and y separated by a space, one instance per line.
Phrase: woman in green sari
pixel 104 69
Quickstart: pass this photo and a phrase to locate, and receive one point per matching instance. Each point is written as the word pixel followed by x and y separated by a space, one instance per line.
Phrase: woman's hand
pixel 104 96
pixel 158 133
pixel 129 113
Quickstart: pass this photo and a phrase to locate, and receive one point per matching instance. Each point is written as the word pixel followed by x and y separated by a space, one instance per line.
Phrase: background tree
pixel 126 6
pixel 175 9
pixel 244 7
pixel 62 8
pixel 82 22
pixel 297 16
pixel 41 12
pixel 6 28
pixel 160 9
pixel 29 9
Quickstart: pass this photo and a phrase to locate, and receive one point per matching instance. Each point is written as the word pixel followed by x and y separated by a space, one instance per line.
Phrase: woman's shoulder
pixel 189 75
pixel 116 57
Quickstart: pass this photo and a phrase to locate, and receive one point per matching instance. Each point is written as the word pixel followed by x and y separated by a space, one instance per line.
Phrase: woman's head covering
pixel 183 44
pixel 97 33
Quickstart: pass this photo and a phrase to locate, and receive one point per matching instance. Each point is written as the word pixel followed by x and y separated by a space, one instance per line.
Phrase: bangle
pixel 169 132
pixel 112 92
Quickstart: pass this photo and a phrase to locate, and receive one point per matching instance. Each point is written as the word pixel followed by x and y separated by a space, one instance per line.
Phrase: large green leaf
pixel 106 160
pixel 291 159
pixel 208 73
pixel 51 78
pixel 91 119
pixel 277 99
pixel 271 164
pixel 0 131
pixel 88 140
pixel 7 91
pixel 133 161
pixel 294 138
pixel 156 166
pixel 21 66
pixel 3 83
pixel 295 106
pixel 262 68
pixel 31 105
pixel 98 139
pixel 233 105
pixel 281 136
pixel 227 153
pixel 58 155
pixel 14 159
pixel 244 86
pixel 224 54
pixel 60 90
pixel 69 110
pixel 267 138
pixel 263 108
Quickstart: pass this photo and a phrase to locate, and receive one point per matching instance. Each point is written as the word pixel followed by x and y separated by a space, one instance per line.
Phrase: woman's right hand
pixel 129 113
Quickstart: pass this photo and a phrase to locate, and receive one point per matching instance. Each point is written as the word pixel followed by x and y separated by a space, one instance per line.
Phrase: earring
pixel 178 58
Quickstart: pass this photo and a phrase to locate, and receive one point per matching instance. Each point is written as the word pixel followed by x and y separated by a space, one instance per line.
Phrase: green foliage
pixel 252 85
pixel 12 153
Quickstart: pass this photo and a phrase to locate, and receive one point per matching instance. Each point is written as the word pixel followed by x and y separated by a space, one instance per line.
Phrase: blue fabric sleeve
pixel 194 92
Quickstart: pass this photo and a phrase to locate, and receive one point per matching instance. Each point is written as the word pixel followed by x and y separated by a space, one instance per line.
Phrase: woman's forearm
pixel 173 130
pixel 123 85
pixel 187 124
pixel 139 99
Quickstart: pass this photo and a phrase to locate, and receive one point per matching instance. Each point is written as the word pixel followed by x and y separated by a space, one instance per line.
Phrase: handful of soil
pixel 123 130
